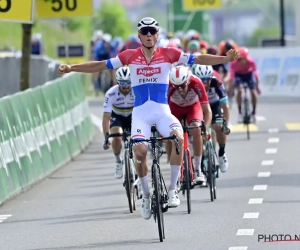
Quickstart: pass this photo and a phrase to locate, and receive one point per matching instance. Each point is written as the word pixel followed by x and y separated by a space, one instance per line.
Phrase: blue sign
pixel 289 64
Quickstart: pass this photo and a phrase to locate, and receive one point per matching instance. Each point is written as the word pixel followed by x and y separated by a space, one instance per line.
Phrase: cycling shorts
pixel 192 113
pixel 216 112
pixel 248 78
pixel 120 121
pixel 152 113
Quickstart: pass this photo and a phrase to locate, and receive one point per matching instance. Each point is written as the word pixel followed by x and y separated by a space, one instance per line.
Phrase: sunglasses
pixel 182 86
pixel 124 83
pixel 145 31
pixel 206 79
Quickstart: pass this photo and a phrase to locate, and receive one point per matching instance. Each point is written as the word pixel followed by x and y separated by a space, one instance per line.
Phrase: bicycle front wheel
pixel 187 180
pixel 158 204
pixel 128 183
pixel 210 177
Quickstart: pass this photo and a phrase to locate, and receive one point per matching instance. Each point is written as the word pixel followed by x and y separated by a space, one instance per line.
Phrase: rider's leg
pixel 239 103
pixel 141 130
pixel 175 159
pixel 198 150
pixel 254 100
pixel 194 116
pixel 168 145
pixel 252 86
pixel 221 138
pixel 117 147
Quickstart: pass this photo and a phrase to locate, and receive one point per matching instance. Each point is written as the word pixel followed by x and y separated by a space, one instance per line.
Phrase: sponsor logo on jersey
pixel 148 80
pixel 148 71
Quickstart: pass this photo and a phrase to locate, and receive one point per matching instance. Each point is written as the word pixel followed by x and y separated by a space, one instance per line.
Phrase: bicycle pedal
pixel 165 208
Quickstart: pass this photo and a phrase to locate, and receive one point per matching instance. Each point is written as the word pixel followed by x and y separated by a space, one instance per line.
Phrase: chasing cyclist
pixel 218 101
pixel 149 68
pixel 187 97
pixel 117 109
pixel 244 70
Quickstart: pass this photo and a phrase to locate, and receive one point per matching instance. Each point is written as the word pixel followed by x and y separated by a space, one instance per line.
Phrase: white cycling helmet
pixel 179 75
pixel 147 22
pixel 123 74
pixel 202 71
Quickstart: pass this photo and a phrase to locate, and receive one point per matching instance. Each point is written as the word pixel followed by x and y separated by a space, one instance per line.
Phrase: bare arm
pixel 105 123
pixel 89 67
pixel 225 108
pixel 211 59
pixel 207 115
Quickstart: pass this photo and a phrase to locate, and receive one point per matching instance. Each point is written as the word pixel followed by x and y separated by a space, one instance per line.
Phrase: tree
pixel 25 59
pixel 112 19
pixel 72 24
pixel 261 33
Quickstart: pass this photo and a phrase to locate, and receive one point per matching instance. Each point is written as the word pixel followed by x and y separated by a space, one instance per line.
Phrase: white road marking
pixel 271 151
pixel 238 248
pixel 97 122
pixel 267 163
pixel 264 174
pixel 260 118
pixel 4 217
pixel 260 187
pixel 245 232
pixel 250 215
pixel 255 201
pixel 273 130
pixel 273 140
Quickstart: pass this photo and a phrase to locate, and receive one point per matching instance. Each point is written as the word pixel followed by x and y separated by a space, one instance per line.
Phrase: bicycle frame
pixel 159 198
pixel 125 140
pixel 132 178
pixel 187 149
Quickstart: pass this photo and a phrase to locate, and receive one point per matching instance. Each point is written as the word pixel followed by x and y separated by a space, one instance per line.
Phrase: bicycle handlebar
pixel 157 139
pixel 202 126
pixel 107 136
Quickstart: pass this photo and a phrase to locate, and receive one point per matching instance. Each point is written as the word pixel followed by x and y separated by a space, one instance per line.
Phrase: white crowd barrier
pixel 279 70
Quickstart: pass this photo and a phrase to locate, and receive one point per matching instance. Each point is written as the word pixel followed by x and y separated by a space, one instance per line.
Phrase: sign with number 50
pixel 20 11
pixel 63 8
pixel 190 5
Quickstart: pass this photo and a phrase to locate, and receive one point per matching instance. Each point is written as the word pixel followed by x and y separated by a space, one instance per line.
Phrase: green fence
pixel 41 129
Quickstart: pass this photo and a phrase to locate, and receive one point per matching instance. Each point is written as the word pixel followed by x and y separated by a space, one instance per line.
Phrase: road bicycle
pixel 210 163
pixel 159 196
pixel 130 178
pixel 187 172
pixel 246 110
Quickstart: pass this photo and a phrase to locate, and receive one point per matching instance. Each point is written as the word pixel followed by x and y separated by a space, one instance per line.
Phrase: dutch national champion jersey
pixel 150 81
pixel 118 103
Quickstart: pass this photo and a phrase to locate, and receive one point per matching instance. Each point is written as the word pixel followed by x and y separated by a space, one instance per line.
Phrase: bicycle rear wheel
pixel 128 183
pixel 187 180
pixel 210 177
pixel 157 201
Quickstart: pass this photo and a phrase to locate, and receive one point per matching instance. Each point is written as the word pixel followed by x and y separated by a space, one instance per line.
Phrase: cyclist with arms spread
pixel 242 71
pixel 217 99
pixel 118 105
pixel 149 68
pixel 187 97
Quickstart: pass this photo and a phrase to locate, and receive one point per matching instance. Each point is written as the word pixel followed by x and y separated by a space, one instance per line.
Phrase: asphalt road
pixel 82 206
